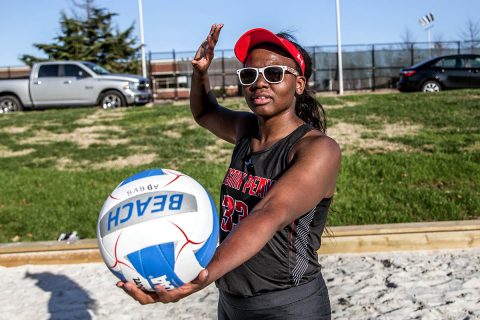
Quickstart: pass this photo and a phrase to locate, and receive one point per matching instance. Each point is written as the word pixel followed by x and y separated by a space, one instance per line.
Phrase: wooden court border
pixel 336 240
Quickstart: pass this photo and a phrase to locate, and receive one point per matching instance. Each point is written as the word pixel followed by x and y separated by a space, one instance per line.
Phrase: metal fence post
pixel 175 76
pixel 373 68
pixel 412 55
pixel 149 64
pixel 150 76
pixel 314 67
pixel 458 47
pixel 223 75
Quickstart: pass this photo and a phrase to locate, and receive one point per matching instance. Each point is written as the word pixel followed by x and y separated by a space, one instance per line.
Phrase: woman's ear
pixel 300 85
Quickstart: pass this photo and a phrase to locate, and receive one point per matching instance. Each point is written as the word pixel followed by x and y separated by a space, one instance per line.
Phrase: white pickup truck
pixel 72 83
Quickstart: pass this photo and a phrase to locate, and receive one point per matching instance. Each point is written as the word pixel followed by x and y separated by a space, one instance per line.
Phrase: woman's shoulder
pixel 316 143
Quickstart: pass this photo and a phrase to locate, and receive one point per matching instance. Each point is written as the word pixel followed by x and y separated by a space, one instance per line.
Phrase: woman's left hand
pixel 163 295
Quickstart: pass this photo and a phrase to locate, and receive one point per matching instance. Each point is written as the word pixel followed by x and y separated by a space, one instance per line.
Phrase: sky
pixel 182 25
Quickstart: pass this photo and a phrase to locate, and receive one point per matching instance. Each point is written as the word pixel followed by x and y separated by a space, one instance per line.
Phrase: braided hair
pixel 307 107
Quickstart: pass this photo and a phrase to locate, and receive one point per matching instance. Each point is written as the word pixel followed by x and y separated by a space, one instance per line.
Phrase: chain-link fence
pixel 365 66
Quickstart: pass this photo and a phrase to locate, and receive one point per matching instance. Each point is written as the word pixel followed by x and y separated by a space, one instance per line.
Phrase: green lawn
pixel 406 157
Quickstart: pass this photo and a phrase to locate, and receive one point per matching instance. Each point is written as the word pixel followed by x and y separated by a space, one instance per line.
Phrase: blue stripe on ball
pixel 143 174
pixel 156 261
pixel 119 275
pixel 205 253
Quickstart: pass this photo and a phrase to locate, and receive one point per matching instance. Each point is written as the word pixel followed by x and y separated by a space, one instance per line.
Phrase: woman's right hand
pixel 204 56
pixel 161 294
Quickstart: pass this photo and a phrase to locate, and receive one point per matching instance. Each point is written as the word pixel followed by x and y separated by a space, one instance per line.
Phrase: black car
pixel 441 73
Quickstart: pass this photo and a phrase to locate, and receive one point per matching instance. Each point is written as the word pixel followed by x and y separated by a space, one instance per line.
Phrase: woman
pixel 277 191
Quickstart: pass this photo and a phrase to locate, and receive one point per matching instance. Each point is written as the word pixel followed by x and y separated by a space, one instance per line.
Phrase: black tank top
pixel 290 257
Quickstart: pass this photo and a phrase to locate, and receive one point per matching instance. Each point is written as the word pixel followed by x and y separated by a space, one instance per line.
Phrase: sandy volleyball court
pixel 442 284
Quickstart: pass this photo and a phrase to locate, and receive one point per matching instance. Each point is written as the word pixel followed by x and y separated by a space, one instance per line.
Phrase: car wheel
pixel 431 86
pixel 112 99
pixel 10 104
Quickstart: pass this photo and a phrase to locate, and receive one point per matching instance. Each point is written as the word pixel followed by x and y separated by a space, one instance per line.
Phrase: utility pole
pixel 427 23
pixel 339 50
pixel 142 39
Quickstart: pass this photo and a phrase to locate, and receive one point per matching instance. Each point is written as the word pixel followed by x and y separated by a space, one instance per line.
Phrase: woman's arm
pixel 312 176
pixel 227 124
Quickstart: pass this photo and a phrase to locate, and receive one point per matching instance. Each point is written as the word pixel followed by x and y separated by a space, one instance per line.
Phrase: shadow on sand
pixel 68 300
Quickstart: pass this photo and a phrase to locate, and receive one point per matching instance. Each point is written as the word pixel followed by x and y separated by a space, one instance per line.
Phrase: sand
pixel 440 284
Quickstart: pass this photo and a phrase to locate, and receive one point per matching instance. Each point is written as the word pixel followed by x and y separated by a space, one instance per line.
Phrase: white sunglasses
pixel 271 74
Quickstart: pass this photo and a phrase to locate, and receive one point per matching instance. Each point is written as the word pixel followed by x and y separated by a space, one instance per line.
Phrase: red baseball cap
pixel 257 36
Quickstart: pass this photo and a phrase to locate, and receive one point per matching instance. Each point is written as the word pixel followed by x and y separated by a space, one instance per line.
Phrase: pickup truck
pixel 72 83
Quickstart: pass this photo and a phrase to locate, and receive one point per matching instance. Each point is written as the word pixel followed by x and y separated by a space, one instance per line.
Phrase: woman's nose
pixel 260 82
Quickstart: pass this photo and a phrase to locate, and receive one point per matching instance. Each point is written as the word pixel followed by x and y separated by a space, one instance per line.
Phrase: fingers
pixel 217 31
pixel 205 52
pixel 214 34
pixel 185 290
pixel 137 294
pixel 212 40
pixel 212 31
pixel 212 37
pixel 161 294
pixel 164 295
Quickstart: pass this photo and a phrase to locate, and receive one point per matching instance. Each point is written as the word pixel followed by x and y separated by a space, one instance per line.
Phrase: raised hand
pixel 204 56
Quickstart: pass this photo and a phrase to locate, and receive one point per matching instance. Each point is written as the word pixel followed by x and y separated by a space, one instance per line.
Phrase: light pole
pixel 142 40
pixel 339 50
pixel 427 23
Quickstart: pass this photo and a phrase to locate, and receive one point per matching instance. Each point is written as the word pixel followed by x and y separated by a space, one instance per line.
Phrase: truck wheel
pixel 10 104
pixel 431 86
pixel 112 99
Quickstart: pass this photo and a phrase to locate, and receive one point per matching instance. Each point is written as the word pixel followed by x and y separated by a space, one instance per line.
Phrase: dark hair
pixel 307 107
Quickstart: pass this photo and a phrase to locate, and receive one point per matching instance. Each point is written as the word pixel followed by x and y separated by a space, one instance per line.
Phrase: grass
pixel 407 158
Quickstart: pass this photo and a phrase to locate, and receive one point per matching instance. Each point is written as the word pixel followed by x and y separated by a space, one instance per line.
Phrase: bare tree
pixel 471 32
pixel 438 42
pixel 408 41
pixel 407 37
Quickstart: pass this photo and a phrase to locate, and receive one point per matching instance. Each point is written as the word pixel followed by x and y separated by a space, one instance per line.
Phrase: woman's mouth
pixel 261 99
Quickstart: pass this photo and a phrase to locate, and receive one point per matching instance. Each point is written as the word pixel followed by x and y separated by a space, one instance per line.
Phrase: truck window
pixel 95 68
pixel 48 70
pixel 71 70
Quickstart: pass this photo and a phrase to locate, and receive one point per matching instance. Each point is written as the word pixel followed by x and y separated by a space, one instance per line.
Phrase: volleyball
pixel 158 227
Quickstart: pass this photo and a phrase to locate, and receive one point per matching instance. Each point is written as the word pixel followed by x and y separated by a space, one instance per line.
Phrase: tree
pixel 407 37
pixel 91 37
pixel 471 33
pixel 408 41
pixel 439 42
